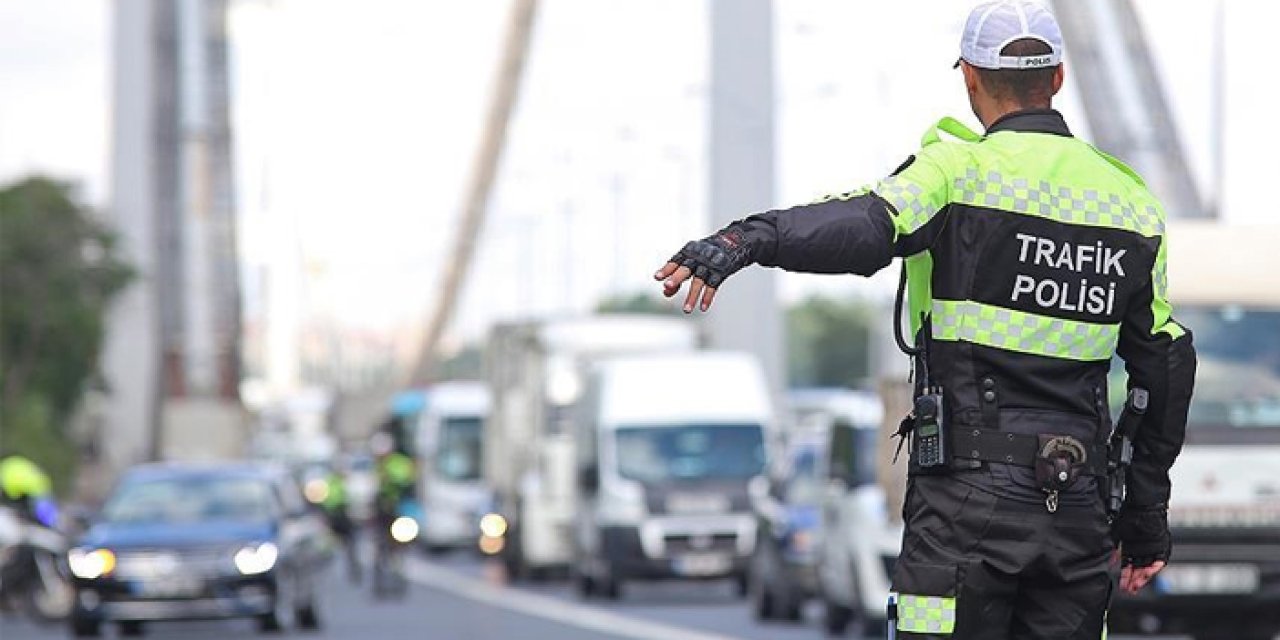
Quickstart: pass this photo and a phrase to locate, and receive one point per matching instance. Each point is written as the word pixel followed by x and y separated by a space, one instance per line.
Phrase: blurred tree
pixel 59 269
pixel 638 303
pixel 828 343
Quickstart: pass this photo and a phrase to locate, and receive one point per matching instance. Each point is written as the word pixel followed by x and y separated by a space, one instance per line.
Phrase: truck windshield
pixel 1238 374
pixel 458 455
pixel 1238 377
pixel 654 454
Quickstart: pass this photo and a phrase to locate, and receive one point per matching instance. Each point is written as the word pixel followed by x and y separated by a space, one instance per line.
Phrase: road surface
pixel 460 598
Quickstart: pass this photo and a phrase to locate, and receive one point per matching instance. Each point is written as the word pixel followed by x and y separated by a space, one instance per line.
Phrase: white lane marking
pixel 540 606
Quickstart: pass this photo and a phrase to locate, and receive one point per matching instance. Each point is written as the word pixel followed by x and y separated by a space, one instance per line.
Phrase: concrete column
pixel 746 315
pixel 131 355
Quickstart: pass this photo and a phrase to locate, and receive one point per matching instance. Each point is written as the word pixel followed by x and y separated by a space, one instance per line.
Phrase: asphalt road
pixel 460 598
pixel 350 612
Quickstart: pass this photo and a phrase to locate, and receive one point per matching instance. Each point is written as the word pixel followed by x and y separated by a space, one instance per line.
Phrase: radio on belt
pixel 928 441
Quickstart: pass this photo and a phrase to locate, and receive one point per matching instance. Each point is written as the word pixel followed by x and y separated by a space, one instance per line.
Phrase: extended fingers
pixel 1146 574
pixel 666 270
pixel 707 296
pixel 1133 579
pixel 695 290
pixel 702 289
pixel 672 284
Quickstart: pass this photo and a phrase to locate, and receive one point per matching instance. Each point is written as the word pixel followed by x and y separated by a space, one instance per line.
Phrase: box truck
pixel 534 370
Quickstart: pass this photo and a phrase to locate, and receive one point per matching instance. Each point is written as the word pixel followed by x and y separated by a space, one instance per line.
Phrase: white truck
pixel 535 374
pixel 664 469
pixel 1223 580
pixel 449 452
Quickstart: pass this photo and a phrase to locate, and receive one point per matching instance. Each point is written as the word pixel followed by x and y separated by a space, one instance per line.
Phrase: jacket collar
pixel 1031 121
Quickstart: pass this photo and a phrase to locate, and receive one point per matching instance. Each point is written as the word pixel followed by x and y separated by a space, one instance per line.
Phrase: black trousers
pixel 975 565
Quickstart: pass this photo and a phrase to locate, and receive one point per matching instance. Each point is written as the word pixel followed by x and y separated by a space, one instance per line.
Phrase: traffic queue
pixel 564 464
pixel 561 465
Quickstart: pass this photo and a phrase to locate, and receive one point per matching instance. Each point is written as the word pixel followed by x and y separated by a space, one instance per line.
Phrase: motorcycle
pixel 34 578
pixel 392 539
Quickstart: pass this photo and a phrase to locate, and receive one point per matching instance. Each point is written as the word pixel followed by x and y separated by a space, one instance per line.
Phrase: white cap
pixel 993 25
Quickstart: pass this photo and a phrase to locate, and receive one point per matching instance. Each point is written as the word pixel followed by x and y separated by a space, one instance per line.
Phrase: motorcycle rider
pixel 336 508
pixel 28 576
pixel 396 474
pixel 396 477
pixel 26 488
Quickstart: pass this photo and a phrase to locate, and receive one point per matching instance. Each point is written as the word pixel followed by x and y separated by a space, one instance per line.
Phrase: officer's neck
pixel 989 112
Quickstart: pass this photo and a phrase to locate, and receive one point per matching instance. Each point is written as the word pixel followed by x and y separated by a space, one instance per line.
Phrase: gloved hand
pixel 1143 535
pixel 714 258
pixel 708 261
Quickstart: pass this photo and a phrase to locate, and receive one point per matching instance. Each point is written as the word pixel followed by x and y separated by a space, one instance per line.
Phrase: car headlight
pixel 255 559
pixel 90 564
pixel 404 529
pixel 493 525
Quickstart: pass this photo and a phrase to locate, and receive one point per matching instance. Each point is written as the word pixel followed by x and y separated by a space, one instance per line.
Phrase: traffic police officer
pixel 1031 259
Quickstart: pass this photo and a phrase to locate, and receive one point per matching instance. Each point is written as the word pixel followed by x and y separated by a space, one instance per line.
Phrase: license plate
pixel 1208 578
pixel 170 587
pixel 703 564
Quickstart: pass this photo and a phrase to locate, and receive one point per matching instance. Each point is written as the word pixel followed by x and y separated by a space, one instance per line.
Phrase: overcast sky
pixel 356 123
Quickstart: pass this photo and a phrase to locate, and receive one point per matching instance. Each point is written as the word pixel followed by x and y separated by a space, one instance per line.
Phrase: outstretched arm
pixel 857 232
pixel 834 236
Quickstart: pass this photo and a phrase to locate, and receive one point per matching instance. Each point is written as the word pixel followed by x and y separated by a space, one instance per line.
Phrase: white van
pixel 450 441
pixel 667 446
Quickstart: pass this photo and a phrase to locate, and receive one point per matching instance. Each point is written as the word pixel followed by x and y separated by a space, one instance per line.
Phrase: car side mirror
pixel 589 478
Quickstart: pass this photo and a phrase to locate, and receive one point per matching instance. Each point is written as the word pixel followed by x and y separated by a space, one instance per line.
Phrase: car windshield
pixel 458 455
pixel 1238 371
pixel 656 454
pixel 204 498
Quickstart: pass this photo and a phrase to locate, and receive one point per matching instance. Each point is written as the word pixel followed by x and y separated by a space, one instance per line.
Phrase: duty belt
pixel 989 445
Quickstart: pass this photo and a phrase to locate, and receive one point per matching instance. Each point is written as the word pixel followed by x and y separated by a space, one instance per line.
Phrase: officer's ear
pixel 975 90
pixel 1059 75
pixel 971 81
